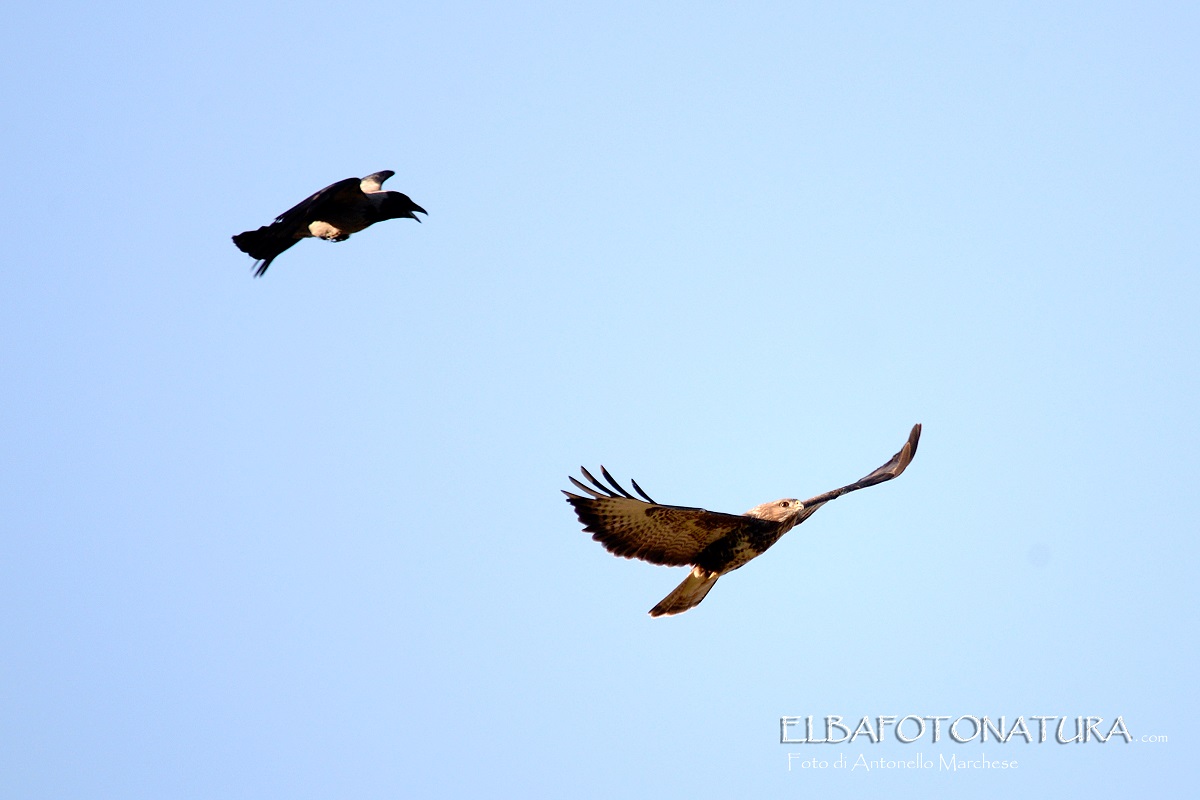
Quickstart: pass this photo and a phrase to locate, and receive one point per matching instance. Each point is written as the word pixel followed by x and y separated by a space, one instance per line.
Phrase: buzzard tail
pixel 688 594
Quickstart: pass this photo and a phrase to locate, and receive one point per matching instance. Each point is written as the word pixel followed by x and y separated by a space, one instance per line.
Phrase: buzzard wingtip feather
pixel 594 482
pixel 584 487
pixel 608 477
pixel 638 489
pixel 905 456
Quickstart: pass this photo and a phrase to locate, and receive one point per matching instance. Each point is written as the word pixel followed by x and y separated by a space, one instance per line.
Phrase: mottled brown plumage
pixel 711 542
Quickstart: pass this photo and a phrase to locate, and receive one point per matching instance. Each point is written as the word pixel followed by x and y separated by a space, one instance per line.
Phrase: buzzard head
pixel 778 511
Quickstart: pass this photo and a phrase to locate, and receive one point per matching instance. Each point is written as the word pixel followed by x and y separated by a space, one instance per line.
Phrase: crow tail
pixel 264 245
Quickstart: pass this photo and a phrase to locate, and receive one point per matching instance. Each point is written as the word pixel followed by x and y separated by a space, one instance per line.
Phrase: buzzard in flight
pixel 333 213
pixel 710 542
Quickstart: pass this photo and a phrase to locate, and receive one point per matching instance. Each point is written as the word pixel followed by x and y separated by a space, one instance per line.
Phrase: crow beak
pixel 416 208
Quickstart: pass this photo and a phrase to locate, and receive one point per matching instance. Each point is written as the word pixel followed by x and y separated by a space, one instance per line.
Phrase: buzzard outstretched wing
pixel 891 469
pixel 634 528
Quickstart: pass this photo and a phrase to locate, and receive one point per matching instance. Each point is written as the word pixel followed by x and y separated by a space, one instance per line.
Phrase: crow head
pixel 398 206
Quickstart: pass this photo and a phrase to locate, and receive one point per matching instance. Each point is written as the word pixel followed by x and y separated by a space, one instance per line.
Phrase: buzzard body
pixel 711 542
pixel 333 213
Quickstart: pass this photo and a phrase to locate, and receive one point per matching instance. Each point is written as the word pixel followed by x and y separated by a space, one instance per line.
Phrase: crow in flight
pixel 333 213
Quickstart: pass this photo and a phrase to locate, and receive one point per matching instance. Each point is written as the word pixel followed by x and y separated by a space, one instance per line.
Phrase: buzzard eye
pixel 784 504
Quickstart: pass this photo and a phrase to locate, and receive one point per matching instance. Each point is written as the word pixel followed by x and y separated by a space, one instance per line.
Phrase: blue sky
pixel 303 537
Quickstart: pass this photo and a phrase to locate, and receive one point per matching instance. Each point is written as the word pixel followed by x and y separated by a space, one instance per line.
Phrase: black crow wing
pixel 633 528
pixel 374 181
pixel 313 208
